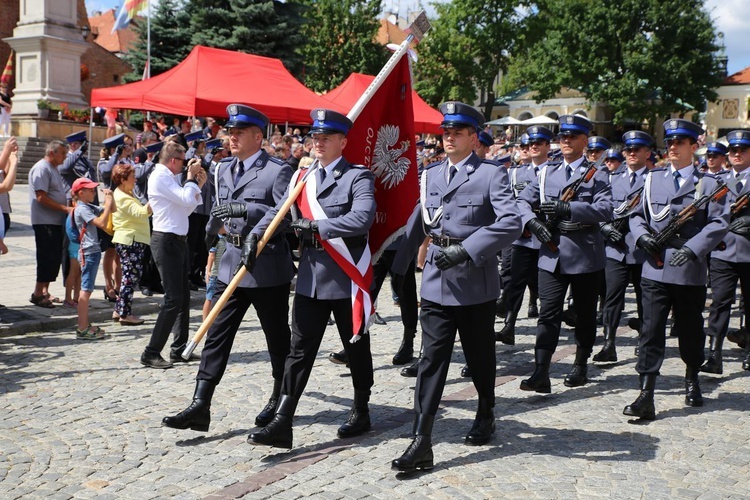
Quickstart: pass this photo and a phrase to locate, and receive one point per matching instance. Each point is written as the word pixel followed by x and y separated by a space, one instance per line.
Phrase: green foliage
pixel 43 104
pixel 646 58
pixel 340 39
pixel 468 45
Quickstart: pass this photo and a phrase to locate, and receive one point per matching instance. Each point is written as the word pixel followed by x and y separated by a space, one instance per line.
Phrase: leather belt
pixel 351 242
pixel 567 227
pixel 234 239
pixel 445 241
pixel 172 235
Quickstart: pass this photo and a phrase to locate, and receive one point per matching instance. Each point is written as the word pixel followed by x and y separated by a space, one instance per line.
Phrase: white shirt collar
pixel 329 168
pixel 459 164
pixel 573 165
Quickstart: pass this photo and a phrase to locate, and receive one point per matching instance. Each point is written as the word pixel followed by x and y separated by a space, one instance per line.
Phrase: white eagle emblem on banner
pixel 387 163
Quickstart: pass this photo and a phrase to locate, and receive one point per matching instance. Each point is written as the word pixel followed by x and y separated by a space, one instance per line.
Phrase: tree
pixel 646 58
pixel 340 39
pixel 467 47
pixel 170 40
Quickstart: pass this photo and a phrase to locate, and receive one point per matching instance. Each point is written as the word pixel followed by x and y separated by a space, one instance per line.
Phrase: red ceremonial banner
pixel 382 139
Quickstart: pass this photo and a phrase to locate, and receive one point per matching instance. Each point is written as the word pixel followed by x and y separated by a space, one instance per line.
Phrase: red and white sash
pixel 359 272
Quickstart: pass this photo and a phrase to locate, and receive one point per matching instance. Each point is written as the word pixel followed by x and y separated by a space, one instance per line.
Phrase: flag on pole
pixel 382 139
pixel 146 70
pixel 127 12
pixel 8 71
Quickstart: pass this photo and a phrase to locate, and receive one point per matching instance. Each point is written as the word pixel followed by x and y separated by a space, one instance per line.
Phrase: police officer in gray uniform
pixel 525 255
pixel 572 250
pixel 680 283
pixel 76 163
pixel 624 260
pixel 342 196
pixel 731 264
pixel 467 208
pixel 250 183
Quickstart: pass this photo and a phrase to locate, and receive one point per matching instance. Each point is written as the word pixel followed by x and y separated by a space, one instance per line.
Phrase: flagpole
pixel 148 48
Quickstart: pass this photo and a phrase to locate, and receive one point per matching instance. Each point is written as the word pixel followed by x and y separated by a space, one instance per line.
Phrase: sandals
pixel 41 301
pixel 111 298
pixel 91 333
pixel 71 304
pixel 131 320
pixel 54 300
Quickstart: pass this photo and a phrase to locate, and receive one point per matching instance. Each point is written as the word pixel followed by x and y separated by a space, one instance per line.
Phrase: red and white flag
pixel 382 139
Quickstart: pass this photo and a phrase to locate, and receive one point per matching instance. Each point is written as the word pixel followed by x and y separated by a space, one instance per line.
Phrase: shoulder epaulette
pixel 433 164
pixel 227 159
pixel 492 162
pixel 658 169
pixel 276 160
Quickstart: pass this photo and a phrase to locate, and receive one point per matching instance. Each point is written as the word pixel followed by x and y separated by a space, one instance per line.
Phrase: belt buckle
pixel 235 239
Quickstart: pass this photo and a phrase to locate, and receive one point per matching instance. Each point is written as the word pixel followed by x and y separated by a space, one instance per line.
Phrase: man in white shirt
pixel 172 203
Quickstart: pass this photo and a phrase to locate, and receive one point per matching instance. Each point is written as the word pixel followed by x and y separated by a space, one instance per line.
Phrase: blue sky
pixel 730 17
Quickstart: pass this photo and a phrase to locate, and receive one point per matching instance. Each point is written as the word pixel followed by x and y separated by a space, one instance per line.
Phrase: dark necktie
pixel 676 180
pixel 632 179
pixel 739 182
pixel 568 172
pixel 239 173
pixel 451 173
pixel 322 174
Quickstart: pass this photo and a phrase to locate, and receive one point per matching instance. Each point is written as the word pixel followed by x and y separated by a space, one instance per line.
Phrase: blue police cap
pixel 213 143
pixel 485 138
pixel 739 138
pixel 114 141
pixel 678 128
pixel 326 121
pixel 458 114
pixel 598 142
pixel 154 148
pixel 574 125
pixel 652 157
pixel 420 142
pixel 503 159
pixel 716 148
pixel 524 140
pixel 241 116
pixel 194 136
pixel 76 137
pixel 539 133
pixel 613 153
pixel 637 138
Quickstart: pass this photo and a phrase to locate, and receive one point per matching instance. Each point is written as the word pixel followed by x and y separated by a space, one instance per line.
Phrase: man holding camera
pixel 172 203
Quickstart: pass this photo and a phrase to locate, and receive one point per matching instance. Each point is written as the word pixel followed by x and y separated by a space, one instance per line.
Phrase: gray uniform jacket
pixel 520 177
pixel 703 233
pixel 348 199
pixel 260 188
pixel 478 208
pixel 737 246
pixel 76 165
pixel 580 251
pixel 142 173
pixel 622 195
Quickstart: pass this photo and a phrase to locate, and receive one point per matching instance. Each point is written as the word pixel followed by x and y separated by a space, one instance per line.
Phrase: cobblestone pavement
pixel 82 420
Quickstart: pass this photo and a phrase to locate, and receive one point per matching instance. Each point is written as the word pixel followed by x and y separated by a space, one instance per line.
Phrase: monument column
pixel 48 46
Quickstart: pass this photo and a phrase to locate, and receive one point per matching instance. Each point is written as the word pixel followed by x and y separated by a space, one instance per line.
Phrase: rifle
pixel 619 223
pixel 739 205
pixel 679 220
pixel 568 195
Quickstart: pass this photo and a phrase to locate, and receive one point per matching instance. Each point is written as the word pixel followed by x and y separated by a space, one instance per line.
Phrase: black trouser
pixel 49 242
pixel 619 274
pixel 552 287
pixel 688 302
pixel 475 326
pixel 171 256
pixel 724 277
pixel 196 243
pixel 272 307
pixel 408 295
pixel 523 271
pixel 309 322
pixel 505 263
pixel 150 277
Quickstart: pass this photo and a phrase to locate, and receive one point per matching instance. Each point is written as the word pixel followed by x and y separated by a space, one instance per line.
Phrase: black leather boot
pixel 339 358
pixel 466 371
pixel 608 354
pixel 278 432
pixel 266 414
pixel 714 363
pixel 578 374
pixel 484 424
pixel 406 351
pixel 418 456
pixel 196 416
pixel 359 417
pixel 643 406
pixel 533 311
pixel 746 361
pixel 411 370
pixel 501 305
pixel 508 334
pixel 539 380
pixel 693 396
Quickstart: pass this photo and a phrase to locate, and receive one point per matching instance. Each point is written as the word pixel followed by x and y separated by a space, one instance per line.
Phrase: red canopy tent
pixel 426 119
pixel 208 80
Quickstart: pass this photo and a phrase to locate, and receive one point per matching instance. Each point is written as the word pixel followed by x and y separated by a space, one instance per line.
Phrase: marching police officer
pixel 572 249
pixel 716 157
pixel 467 208
pixel 525 255
pixel 624 260
pixel 333 215
pixel 484 144
pixel 596 147
pixel 250 183
pixel 76 163
pixel 731 264
pixel 680 282
pixel 613 159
